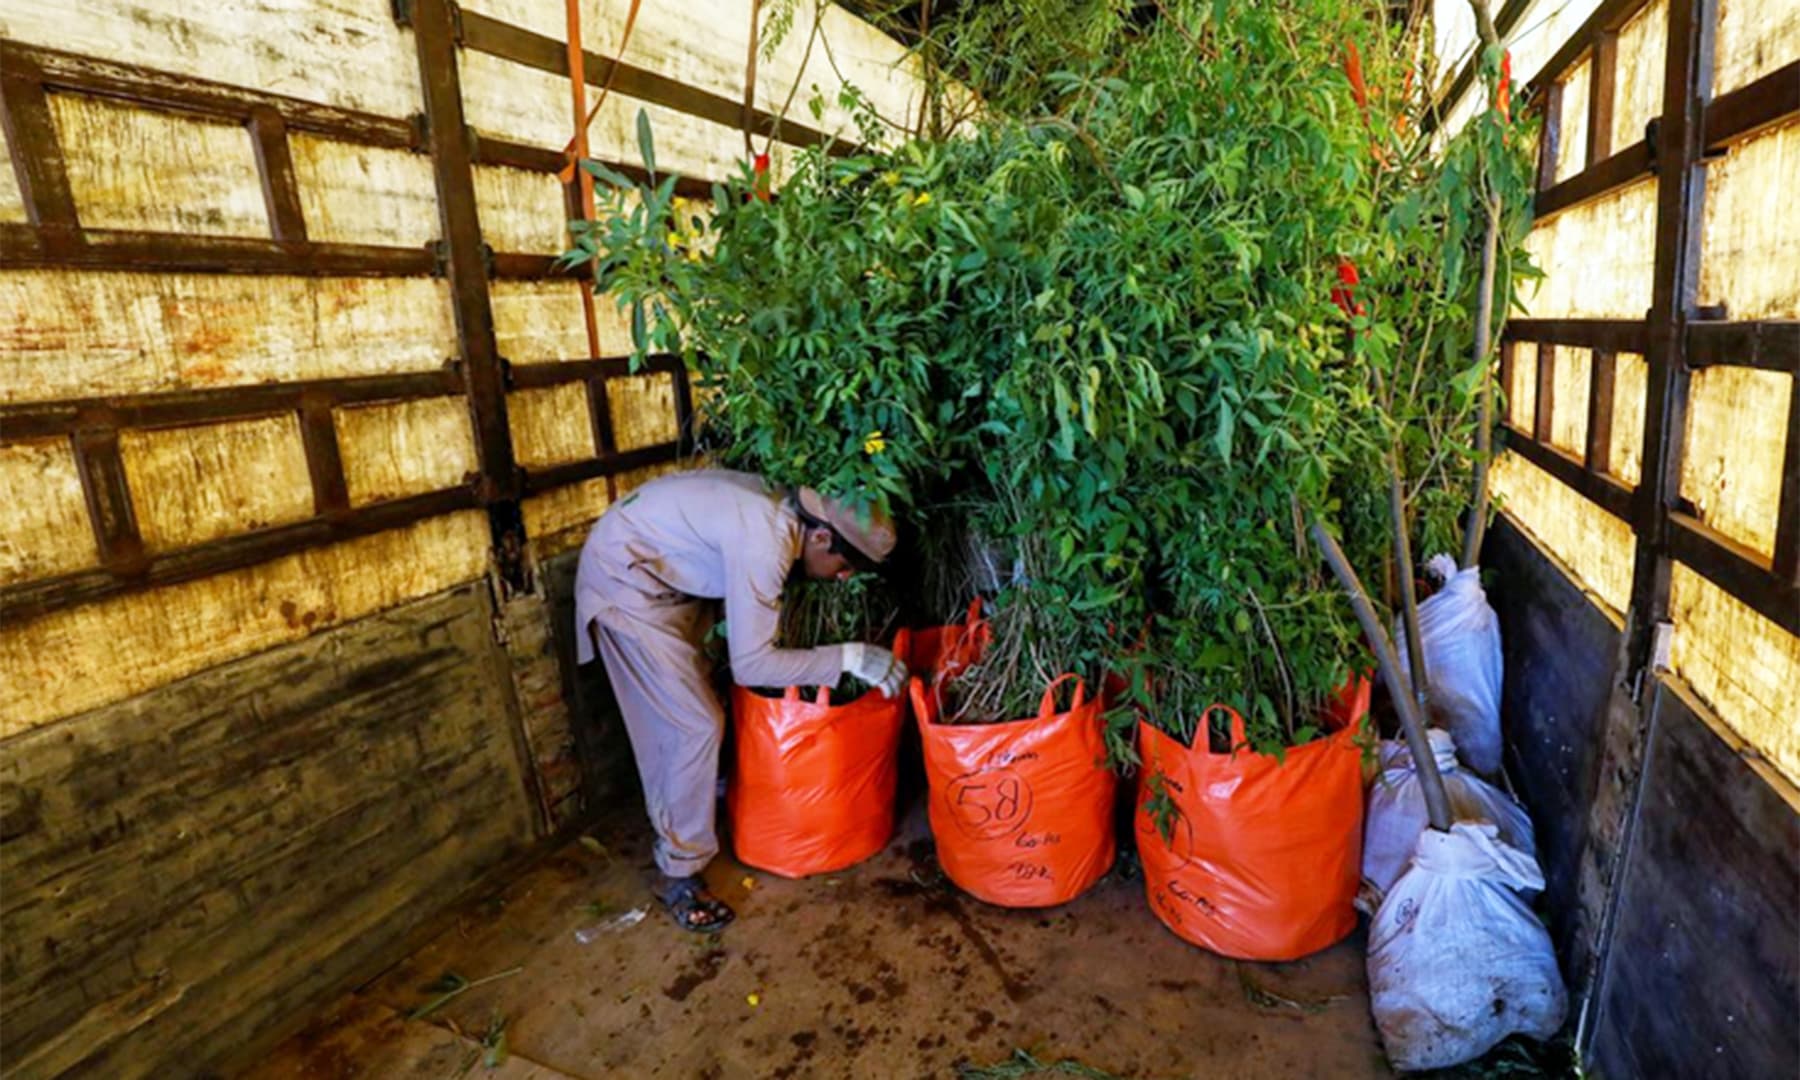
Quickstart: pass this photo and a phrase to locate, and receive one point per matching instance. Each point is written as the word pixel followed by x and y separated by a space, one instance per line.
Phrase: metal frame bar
pixel 1676 337
pixel 434 27
pixel 1754 108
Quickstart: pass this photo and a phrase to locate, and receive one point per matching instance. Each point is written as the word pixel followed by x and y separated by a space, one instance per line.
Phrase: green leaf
pixel 601 171
pixel 646 146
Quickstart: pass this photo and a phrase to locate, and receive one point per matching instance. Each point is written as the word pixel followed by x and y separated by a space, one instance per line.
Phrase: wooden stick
pixel 1437 801
pixel 1403 568
pixel 1484 428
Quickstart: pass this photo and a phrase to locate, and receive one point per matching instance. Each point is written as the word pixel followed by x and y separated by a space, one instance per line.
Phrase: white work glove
pixel 876 666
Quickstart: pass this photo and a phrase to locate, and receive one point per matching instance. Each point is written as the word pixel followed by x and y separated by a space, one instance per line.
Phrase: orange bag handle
pixel 1047 707
pixel 1239 737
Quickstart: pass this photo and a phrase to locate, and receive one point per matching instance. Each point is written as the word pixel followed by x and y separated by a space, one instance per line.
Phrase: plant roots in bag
pixel 812 786
pixel 1396 814
pixel 1457 961
pixel 936 653
pixel 1022 811
pixel 1461 637
pixel 1264 854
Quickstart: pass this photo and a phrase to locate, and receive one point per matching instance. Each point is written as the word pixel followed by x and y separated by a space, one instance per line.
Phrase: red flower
pixel 1503 93
pixel 1344 293
pixel 1353 70
pixel 759 169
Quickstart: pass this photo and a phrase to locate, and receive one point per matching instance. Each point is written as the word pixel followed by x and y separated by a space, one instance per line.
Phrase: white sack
pixel 1461 637
pixel 1457 962
pixel 1396 814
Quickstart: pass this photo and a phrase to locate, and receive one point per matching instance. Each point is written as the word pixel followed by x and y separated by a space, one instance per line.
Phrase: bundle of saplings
pixel 1185 292
pixel 815 613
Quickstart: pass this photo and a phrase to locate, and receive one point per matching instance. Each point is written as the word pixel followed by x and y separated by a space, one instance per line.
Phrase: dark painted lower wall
pixel 189 870
pixel 1559 650
pixel 1672 865
pixel 1702 972
pixel 608 771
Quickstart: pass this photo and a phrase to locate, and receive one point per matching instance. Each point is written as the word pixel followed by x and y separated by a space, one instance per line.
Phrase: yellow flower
pixel 673 240
pixel 890 178
pixel 922 198
pixel 875 443
pixel 753 999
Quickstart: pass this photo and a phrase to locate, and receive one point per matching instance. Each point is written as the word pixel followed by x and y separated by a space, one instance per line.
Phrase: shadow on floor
pixel 882 970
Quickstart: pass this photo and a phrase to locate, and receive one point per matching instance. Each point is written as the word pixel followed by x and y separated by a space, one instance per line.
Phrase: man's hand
pixel 876 666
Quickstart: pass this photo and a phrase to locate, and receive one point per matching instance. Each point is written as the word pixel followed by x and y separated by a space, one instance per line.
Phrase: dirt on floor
pixel 882 970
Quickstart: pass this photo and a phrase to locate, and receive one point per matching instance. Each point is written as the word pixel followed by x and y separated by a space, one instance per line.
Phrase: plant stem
pixel 1403 568
pixel 1484 427
pixel 1437 802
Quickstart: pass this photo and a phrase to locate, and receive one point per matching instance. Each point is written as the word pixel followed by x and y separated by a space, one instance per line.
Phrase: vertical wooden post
pixel 1601 83
pixel 1543 423
pixel 108 495
pixel 447 138
pixel 600 410
pixel 324 460
pixel 1687 80
pixel 1550 141
pixel 1787 523
pixel 275 166
pixel 1600 411
pixel 37 158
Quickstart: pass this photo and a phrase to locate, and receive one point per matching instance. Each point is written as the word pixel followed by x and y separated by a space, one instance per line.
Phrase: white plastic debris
pixel 1457 961
pixel 588 934
pixel 1461 637
pixel 1396 814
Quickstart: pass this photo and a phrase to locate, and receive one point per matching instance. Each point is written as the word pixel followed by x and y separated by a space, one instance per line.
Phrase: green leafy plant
pixel 815 613
pixel 1194 283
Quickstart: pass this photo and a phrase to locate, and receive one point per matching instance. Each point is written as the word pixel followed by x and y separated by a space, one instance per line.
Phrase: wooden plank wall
pixel 189 867
pixel 294 412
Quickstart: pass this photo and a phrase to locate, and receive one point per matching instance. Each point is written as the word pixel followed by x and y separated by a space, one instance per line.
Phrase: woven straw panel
pixel 551 426
pixel 1625 456
pixel 348 53
pixel 354 194
pixel 1595 546
pixel 46 533
pixel 12 200
pixel 71 334
pixel 559 520
pixel 133 168
pixel 80 658
pixel 194 484
pixel 510 101
pixel 636 478
pixel 405 448
pixel 1743 665
pixel 1521 396
pixel 1571 146
pixel 643 410
pixel 1731 460
pixel 1638 73
pixel 1749 245
pixel 1754 37
pixel 1618 233
pixel 1569 406
pixel 664 40
pixel 521 211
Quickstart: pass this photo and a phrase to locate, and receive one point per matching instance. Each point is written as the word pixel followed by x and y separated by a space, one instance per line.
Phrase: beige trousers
pixel 663 682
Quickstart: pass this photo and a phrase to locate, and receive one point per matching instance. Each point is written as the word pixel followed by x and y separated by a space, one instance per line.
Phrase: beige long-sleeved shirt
pixel 708 534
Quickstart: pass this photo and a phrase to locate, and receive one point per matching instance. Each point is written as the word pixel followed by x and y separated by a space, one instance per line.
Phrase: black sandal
pixel 693 908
